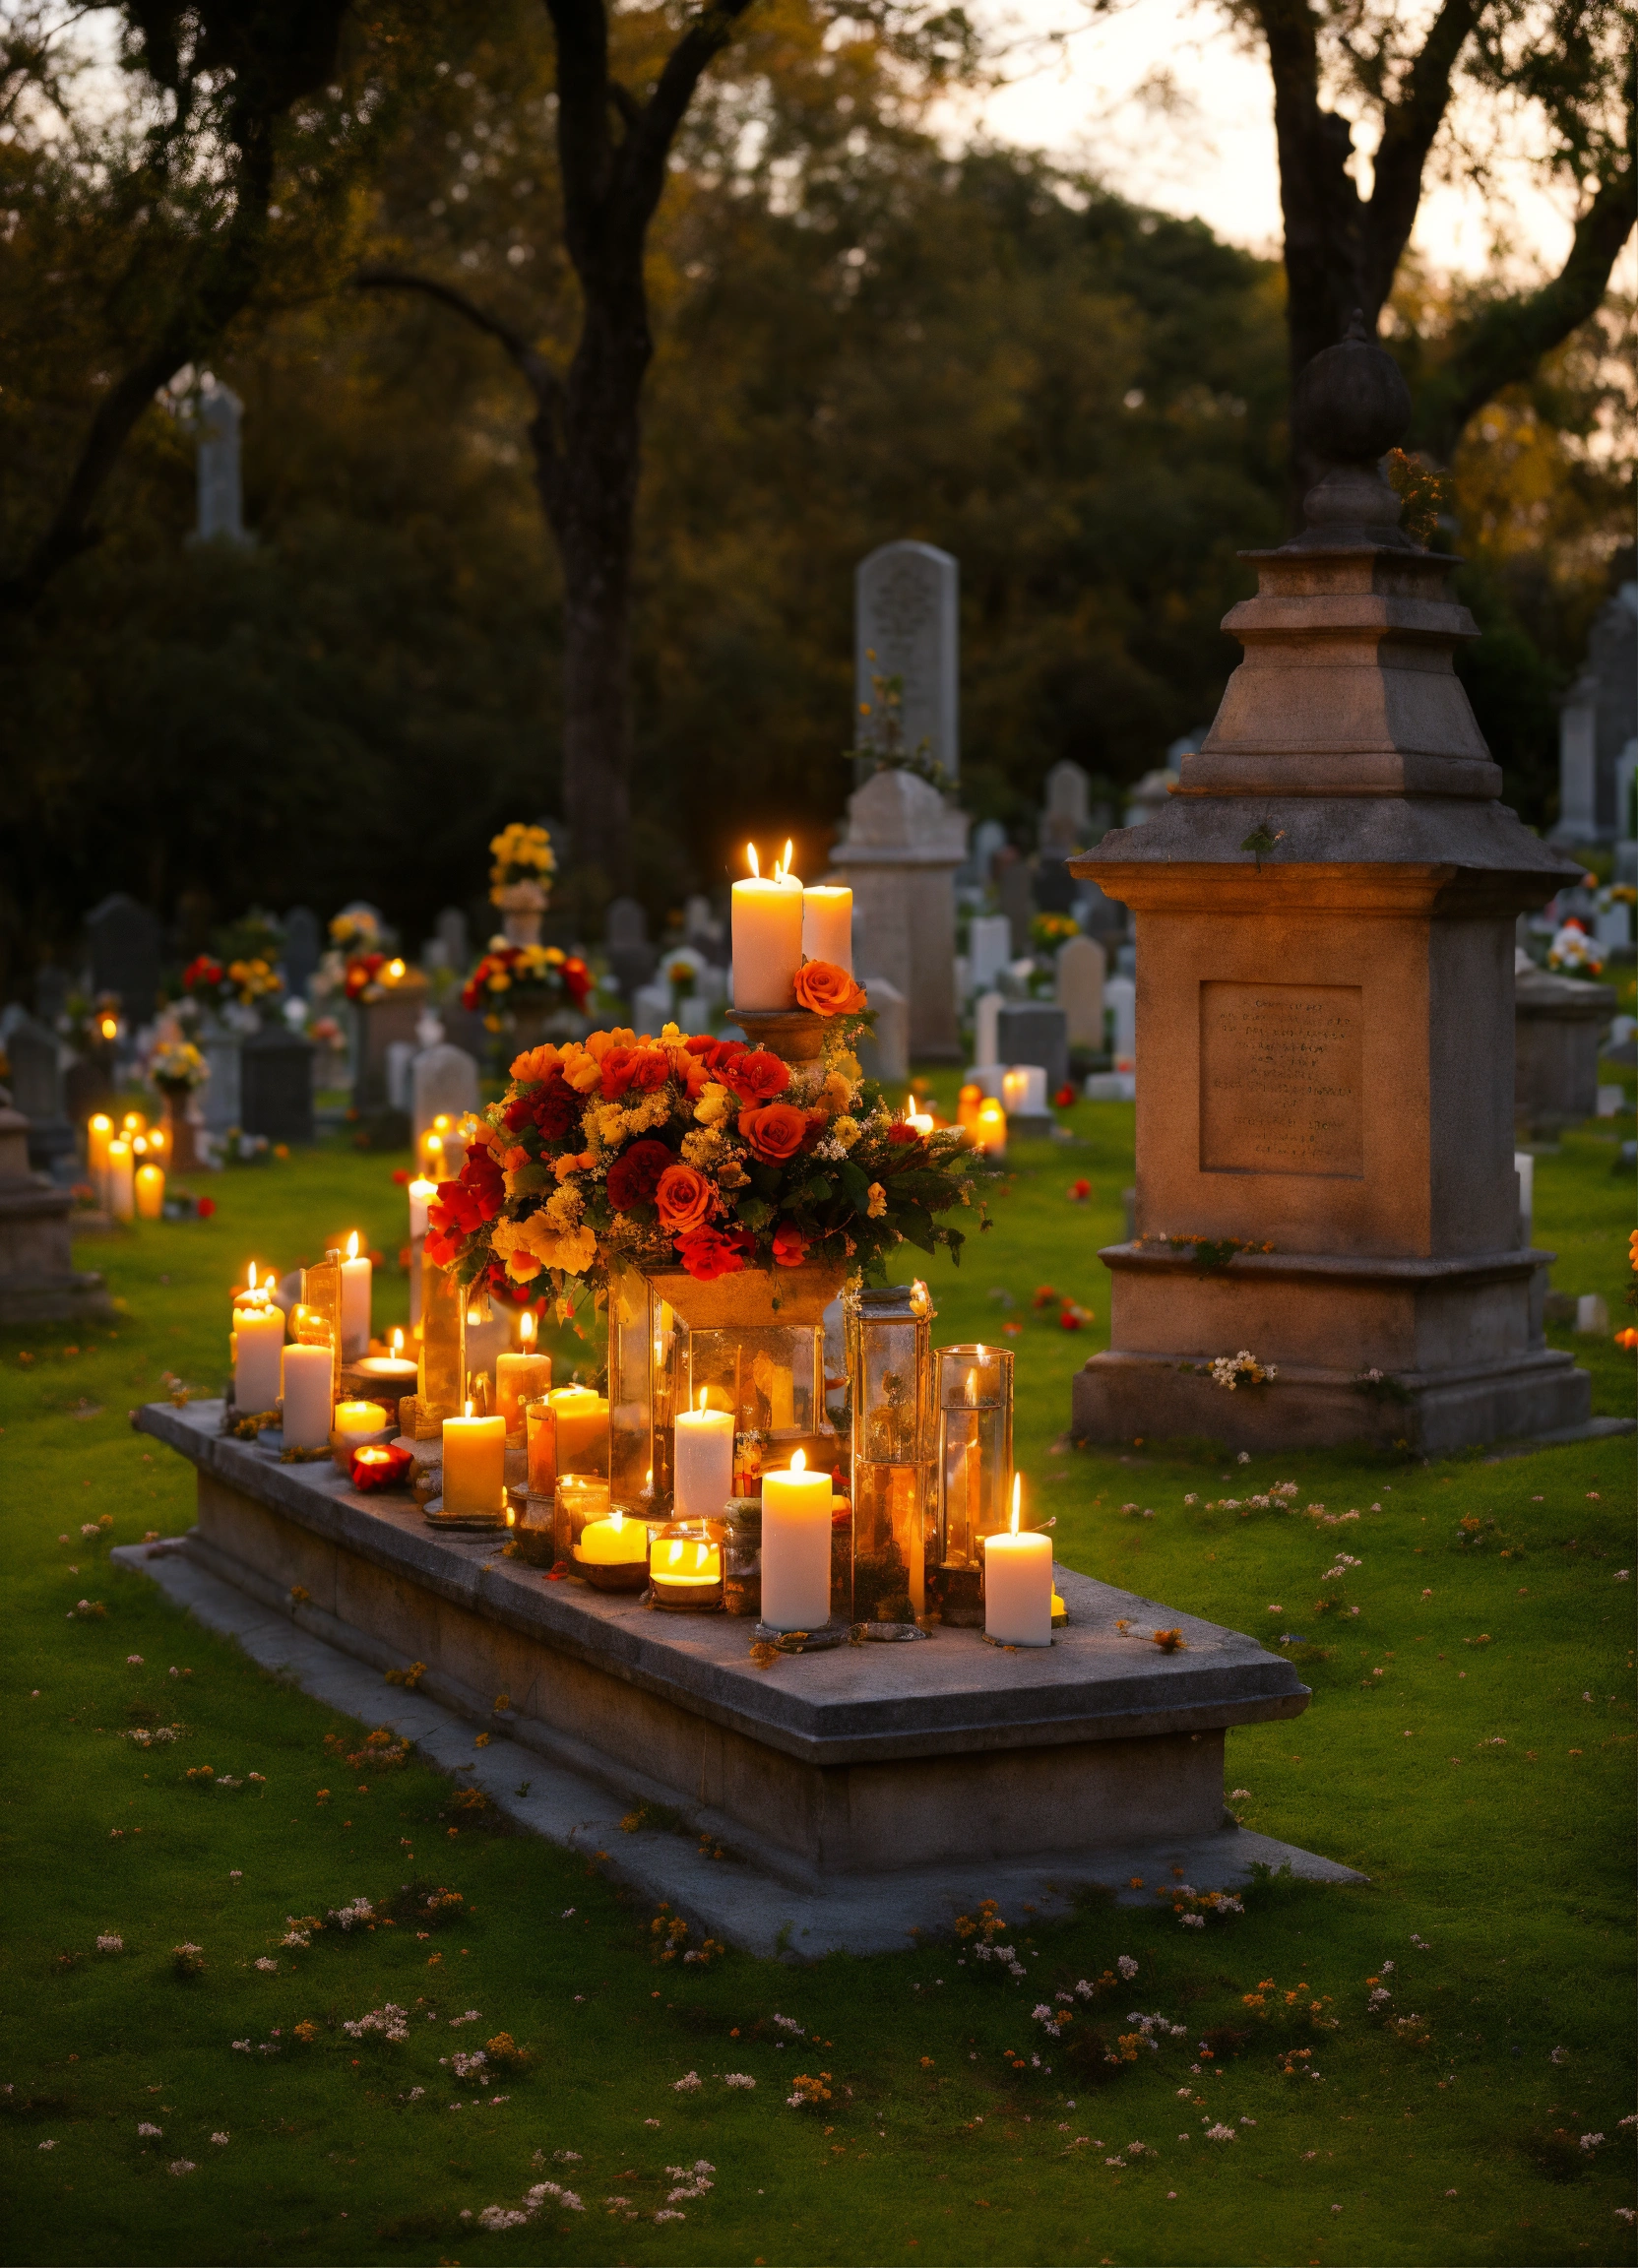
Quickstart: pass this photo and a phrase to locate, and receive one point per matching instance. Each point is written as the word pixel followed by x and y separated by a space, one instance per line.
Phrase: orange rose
pixel 683 1200
pixel 828 990
pixel 775 1131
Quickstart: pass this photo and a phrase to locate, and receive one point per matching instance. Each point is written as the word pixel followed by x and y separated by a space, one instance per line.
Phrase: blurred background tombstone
pixel 39 1282
pixel 902 846
pixel 631 958
pixel 988 948
pixel 1034 1032
pixel 1014 884
pixel 301 949
pixel 1080 989
pixel 275 1084
pixel 125 955
pixel 36 1087
pixel 219 1046
pixel 52 986
pixel 1120 1001
pixel 1558 1023
pixel 884 1053
pixel 906 625
pixel 443 1079
pixel 220 496
pixel 457 945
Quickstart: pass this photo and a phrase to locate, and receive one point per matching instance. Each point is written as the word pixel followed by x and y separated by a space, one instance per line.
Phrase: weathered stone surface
pixel 906 625
pixel 902 846
pixel 868 1759
pixel 1558 1023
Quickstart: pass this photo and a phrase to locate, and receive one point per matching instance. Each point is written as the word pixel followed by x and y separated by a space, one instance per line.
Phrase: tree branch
pixel 1503 344
pixel 584 150
pixel 1409 127
pixel 538 373
pixel 650 146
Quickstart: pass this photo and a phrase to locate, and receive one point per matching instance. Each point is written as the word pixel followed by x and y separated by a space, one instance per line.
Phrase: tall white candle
pixel 258 1339
pixel 422 1194
pixel 766 938
pixel 704 1461
pixel 307 1403
pixel 357 1275
pixel 795 1547
pixel 1018 1584
pixel 99 1132
pixel 828 924
pixel 121 1182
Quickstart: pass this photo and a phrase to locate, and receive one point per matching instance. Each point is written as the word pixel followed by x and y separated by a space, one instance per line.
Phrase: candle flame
pixel 1013 1517
pixel 617 1521
pixel 1017 1499
pixel 750 852
pixel 785 862
pixel 352 1245
pixel 703 1391
pixel 109 1029
pixel 434 1143
pixel 397 1342
pixel 473 1315
pixel 441 1122
pixel 972 1389
pixel 395 970
pixel 251 1277
pixel 102 1124
pixel 798 1461
pixel 526 1326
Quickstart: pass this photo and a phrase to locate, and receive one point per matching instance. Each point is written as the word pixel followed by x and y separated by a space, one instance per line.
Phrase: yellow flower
pixel 564 1209
pixel 713 1106
pixel 877 1201
pixel 846 1131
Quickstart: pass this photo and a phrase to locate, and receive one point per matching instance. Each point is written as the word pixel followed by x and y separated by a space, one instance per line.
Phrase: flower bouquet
pixel 176 1067
pixel 520 880
pixel 1573 953
pixel 373 977
pixel 695 1153
pixel 524 978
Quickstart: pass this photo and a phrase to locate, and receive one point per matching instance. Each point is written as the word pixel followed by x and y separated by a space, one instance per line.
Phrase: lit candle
pixel 133 1124
pixel 969 1102
pixel 989 1129
pixel 359 1417
pixel 704 1460
pixel 158 1139
pixel 681 1562
pixel 1018 1584
pixel 121 1185
pixel 767 936
pixel 307 1403
pixel 828 924
pixel 355 1302
pixel 422 1194
pixel 581 1421
pixel 258 1341
pixel 151 1192
pixel 99 1132
pixel 474 1465
pixel 921 1121
pixel 540 1426
pixel 796 1548
pixel 613 1543
pixel 395 1372
pixel 520 1377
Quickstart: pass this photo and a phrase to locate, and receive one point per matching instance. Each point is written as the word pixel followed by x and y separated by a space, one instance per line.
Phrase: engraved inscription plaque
pixel 1280 1079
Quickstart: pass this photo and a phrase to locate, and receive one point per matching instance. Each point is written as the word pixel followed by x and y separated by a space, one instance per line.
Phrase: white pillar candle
pixel 422 1194
pixel 828 924
pixel 258 1341
pixel 704 1461
pixel 766 938
pixel 474 1465
pixel 121 1183
pixel 357 1275
pixel 1018 1584
pixel 795 1547
pixel 306 1373
pixel 151 1192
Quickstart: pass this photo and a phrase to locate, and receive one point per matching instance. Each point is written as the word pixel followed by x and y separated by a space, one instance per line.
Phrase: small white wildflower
pixel 133 1661
pixel 220 2141
pixel 181 2166
pixel 48 2145
pixel 267 1967
pixel 1127 1966
pixel 738 2079
pixel 689 2084
pixel 110 1943
pixel 145 2130
pixel 1220 2133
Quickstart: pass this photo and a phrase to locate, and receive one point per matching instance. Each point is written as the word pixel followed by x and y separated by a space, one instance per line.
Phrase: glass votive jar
pixel 742 1555
pixel 533 1535
pixel 973 1392
pixel 613 1554
pixel 577 1499
pixel 541 1429
pixel 685 1567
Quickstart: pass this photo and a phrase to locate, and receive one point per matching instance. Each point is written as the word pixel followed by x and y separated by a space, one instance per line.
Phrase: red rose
pixel 400 1176
pixel 901 1134
pixel 1064 1097
pixel 775 1131
pixel 789 1245
pixel 651 1070
pixel 706 1255
pixel 578 978
pixel 756 1076
pixel 204 1208
pixel 641 1068
pixel 635 1174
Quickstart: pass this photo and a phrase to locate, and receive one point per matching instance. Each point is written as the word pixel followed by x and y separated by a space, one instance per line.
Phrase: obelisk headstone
pixel 220 496
pixel 1325 914
pixel 905 598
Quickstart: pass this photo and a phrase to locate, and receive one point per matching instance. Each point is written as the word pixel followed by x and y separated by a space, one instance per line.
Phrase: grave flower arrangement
pixel 177 1066
pixel 372 975
pixel 696 1153
pixel 1573 953
pixel 206 981
pixel 520 880
pixel 532 976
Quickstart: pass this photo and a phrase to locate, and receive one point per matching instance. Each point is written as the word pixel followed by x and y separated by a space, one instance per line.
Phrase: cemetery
pixel 748 1414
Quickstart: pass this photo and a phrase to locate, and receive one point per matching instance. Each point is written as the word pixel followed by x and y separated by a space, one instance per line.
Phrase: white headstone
pixel 988 948
pixel 905 616
pixel 442 1079
pixel 1066 819
pixel 885 1054
pixel 400 1053
pixel 988 836
pixel 1121 994
pixel 987 1018
pixel 1080 991
pixel 221 503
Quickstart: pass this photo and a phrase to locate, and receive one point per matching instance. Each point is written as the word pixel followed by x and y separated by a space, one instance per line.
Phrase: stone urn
pixel 180 1146
pixel 522 905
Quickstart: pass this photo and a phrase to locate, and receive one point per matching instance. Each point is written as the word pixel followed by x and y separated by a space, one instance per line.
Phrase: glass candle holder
pixel 973 1395
pixel 685 1566
pixel 321 1310
pixel 541 1434
pixel 895 1528
pixel 612 1553
pixel 581 1416
pixel 577 1499
pixel 742 1555
pixel 532 1534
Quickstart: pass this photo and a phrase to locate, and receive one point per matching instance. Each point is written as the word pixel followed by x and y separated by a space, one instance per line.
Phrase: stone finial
pixel 1351 405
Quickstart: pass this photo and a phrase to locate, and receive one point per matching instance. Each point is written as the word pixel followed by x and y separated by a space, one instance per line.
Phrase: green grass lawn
pixel 1469 1746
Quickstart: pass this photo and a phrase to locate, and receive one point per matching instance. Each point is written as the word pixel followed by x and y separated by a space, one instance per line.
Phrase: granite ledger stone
pixel 1324 911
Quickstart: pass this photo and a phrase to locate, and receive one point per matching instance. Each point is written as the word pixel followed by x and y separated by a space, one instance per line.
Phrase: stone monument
pixel 631 958
pixel 988 948
pixel 1014 887
pixel 1325 911
pixel 1033 1032
pixel 906 625
pixel 1081 968
pixel 457 945
pixel 302 946
pixel 37 1086
pixel 1558 1023
pixel 443 1080
pixel 220 500
pixel 39 1281
pixel 125 955
pixel 1596 724
pixel 902 846
pixel 275 1084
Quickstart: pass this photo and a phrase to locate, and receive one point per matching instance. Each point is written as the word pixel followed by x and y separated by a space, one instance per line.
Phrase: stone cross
pixel 1080 991
pixel 125 954
pixel 902 846
pixel 906 625
pixel 301 949
pixel 221 502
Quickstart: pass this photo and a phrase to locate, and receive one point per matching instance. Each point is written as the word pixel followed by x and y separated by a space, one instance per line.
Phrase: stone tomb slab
pixel 835 1775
